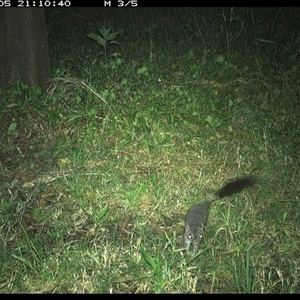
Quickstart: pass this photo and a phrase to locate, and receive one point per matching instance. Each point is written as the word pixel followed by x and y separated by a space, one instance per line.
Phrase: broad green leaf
pixel 114 42
pixel 105 32
pixel 101 41
pixel 143 70
pixel 93 36
pixel 112 36
pixel 12 127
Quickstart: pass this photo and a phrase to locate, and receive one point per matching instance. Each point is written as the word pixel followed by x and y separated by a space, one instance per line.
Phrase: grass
pixel 97 175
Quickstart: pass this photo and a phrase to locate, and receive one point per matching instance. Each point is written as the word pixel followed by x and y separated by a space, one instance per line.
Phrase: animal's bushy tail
pixel 236 186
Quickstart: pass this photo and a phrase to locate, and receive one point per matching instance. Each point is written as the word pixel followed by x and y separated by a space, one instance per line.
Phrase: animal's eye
pixel 190 236
pixel 200 236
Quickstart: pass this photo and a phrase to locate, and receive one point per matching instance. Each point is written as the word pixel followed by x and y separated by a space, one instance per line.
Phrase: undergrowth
pixel 98 174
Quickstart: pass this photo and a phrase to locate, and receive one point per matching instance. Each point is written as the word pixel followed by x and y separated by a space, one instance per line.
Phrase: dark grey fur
pixel 196 216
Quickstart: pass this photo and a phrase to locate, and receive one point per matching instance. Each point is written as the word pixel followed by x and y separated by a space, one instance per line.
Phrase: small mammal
pixel 196 216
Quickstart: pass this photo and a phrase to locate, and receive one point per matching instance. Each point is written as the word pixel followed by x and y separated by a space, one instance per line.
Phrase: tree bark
pixel 24 47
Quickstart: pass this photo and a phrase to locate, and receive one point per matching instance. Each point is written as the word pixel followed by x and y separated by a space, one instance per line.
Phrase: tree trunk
pixel 24 46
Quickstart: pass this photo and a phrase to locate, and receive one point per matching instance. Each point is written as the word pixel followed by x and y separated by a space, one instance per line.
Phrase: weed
pixel 106 39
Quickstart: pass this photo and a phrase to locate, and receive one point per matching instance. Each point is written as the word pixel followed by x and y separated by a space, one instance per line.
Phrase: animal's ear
pixel 187 231
pixel 188 228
